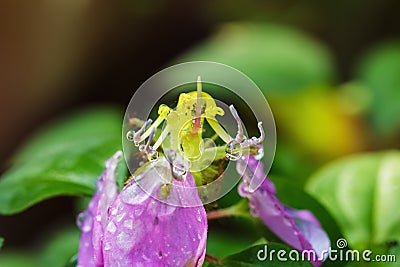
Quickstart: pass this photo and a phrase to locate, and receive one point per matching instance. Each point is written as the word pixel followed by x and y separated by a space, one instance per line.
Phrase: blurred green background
pixel 330 71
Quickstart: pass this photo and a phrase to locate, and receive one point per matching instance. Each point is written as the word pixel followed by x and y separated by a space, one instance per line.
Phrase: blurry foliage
pixel 222 242
pixel 277 58
pixel 314 122
pixel 379 73
pixel 63 159
pixel 55 251
pixel 362 193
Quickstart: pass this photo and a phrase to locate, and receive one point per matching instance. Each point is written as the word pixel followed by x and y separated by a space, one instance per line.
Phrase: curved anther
pixel 240 138
pixel 163 112
pixel 254 141
pixel 137 137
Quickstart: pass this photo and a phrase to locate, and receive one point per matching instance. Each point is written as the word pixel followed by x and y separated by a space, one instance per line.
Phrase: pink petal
pixel 298 228
pixel 93 220
pixel 143 231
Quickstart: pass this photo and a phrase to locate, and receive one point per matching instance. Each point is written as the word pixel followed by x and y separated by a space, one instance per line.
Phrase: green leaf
pixel 18 259
pixel 379 72
pixel 249 257
pixel 277 58
pixel 362 193
pixel 73 262
pixel 63 159
pixel 221 243
pixel 60 248
pixel 1 242
pixel 56 251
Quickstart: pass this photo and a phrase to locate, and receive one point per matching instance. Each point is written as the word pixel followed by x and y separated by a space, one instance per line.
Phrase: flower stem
pixel 240 209
pixel 210 258
pixel 217 214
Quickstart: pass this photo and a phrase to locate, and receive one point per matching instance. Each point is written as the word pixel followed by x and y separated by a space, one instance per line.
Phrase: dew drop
pixel 114 211
pixel 155 220
pixel 120 216
pixel 138 211
pixel 165 190
pixel 142 147
pixel 233 150
pixel 179 171
pixel 160 255
pixel 260 154
pixel 152 155
pixel 84 222
pixel 107 246
pixel 286 222
pixel 128 224
pixel 130 135
pixel 111 227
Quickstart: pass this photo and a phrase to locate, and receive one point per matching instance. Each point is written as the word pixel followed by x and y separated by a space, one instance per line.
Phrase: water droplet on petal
pixel 128 224
pixel 142 147
pixel 107 246
pixel 165 190
pixel 286 222
pixel 233 150
pixel 120 216
pixel 84 221
pixel 111 227
pixel 260 154
pixel 114 211
pixel 138 211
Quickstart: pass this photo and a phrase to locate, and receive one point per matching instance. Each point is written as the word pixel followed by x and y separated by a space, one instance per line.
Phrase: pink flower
pixel 139 230
pixel 93 220
pixel 298 228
